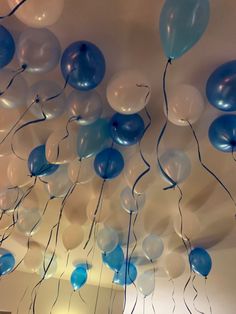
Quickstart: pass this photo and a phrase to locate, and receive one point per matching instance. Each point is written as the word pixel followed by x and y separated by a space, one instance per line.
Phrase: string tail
pixel 13 10
pixel 195 296
pixel 184 294
pixel 173 295
pixel 153 293
pixel 207 297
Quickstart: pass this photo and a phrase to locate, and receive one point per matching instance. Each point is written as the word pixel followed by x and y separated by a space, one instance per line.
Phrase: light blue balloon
pixel 114 259
pixel 200 261
pixel 131 275
pixel 78 277
pixel 182 23
pixel 7 263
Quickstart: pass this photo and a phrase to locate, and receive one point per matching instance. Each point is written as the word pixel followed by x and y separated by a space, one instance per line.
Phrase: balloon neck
pixel 83 48
pixel 233 144
pixel 24 66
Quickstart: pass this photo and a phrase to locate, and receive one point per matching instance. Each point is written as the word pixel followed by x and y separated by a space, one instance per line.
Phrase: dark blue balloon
pixel 126 130
pixel 200 261
pixel 7 47
pixel 109 163
pixel 222 133
pixel 83 64
pixel 221 86
pixel 78 277
pixel 119 278
pixel 38 164
pixel 7 263
pixel 114 259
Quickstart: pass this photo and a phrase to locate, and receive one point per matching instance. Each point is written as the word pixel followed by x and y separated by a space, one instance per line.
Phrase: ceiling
pixel 127 33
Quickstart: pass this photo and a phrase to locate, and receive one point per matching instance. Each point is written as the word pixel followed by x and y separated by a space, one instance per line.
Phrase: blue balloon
pixel 83 65
pixel 221 85
pixel 7 47
pixel 7 263
pixel 78 277
pixel 114 259
pixel 119 278
pixel 182 23
pixel 222 133
pixel 109 163
pixel 38 164
pixel 200 261
pixel 126 130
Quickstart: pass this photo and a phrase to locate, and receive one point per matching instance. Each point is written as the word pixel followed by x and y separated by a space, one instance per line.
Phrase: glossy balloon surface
pixel 7 263
pixel 7 47
pixel 126 275
pixel 114 259
pixel 78 277
pixel 200 261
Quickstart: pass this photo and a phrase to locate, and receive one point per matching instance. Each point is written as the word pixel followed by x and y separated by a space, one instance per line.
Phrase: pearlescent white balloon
pixel 8 199
pixel 72 236
pixel 48 267
pixel 191 226
pixel 153 247
pixel 34 257
pixel 174 265
pixel 29 221
pixel 129 203
pixel 58 184
pixel 81 171
pixel 18 172
pixel 107 239
pixel 146 283
pixel 7 120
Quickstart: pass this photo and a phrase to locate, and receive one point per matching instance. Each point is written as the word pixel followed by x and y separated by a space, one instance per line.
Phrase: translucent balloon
pixel 128 92
pixel 174 265
pixel 72 236
pixel 7 263
pixel 200 261
pixel 7 47
pixel 146 283
pixel 44 90
pixel 129 203
pixel 153 247
pixel 39 50
pixel 81 171
pixel 107 239
pixel 7 120
pixel 87 107
pixel 16 95
pixel 49 266
pixel 28 221
pixel 38 14
pixel 104 210
pixel 114 259
pixel 8 199
pixel 18 172
pixel 176 165
pixel 191 225
pixel 126 275
pixel 186 104
pixel 58 184
pixel 34 257
pixel 5 221
pixel 78 277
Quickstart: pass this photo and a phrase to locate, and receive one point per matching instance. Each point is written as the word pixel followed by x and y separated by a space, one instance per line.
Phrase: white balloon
pixel 146 283
pixel 29 221
pixel 8 199
pixel 81 171
pixel 107 239
pixel 7 120
pixel 129 203
pixel 5 221
pixel 128 91
pixel 103 212
pixel 58 184
pixel 34 257
pixel 174 265
pixel 18 172
pixel 48 267
pixel 153 247
pixel 72 236
pixel 191 225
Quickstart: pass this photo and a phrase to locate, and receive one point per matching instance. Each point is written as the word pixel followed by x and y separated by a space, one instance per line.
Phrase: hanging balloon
pixel 39 50
pixel 16 95
pixel 18 172
pixel 87 107
pixel 58 184
pixel 107 239
pixel 128 92
pixel 7 263
pixel 146 283
pixel 114 259
pixel 222 133
pixel 109 163
pixel 29 221
pixel 191 225
pixel 7 47
pixel 92 138
pixel 49 266
pixel 37 163
pixel 36 13
pixel 83 65
pixel 78 277
pixel 153 247
pixel 129 203
pixel 131 274
pixel 81 171
pixel 104 210
pixel 126 130
pixel 72 236
pixel 34 257
pixel 8 199
pixel 200 261
pixel 182 23
pixel 220 87
pixel 174 265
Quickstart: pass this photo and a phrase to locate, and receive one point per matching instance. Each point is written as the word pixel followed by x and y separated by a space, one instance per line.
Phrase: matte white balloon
pixel 107 239
pixel 72 236
pixel 129 203
pixel 174 265
pixel 153 247
pixel 28 221
pixel 146 283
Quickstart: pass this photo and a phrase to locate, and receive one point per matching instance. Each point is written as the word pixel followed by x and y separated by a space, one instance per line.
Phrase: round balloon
pixel 83 65
pixel 34 257
pixel 107 239
pixel 128 92
pixel 182 23
pixel 81 171
pixel 191 225
pixel 129 203
pixel 39 50
pixel 72 236
pixel 58 184
pixel 174 265
pixel 114 259
pixel 146 283
pixel 126 275
pixel 8 199
pixel 153 247
pixel 222 133
pixel 78 277
pixel 36 13
pixel 48 267
pixel 7 47
pixel 7 263
pixel 38 164
pixel 220 87
pixel 109 163
pixel 29 221
pixel 200 261
pixel 18 172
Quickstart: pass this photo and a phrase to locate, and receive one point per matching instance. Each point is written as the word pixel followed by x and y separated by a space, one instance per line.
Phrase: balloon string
pixel 18 72
pixel 196 295
pixel 111 294
pixel 207 169
pixel 207 297
pixel 14 9
pixel 113 301
pixel 152 298
pixel 144 299
pixel 98 290
pixel 21 300
pixel 69 305
pixel 184 292
pixel 232 152
pixel 173 295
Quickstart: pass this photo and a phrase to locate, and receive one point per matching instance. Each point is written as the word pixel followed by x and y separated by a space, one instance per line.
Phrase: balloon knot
pixel 24 66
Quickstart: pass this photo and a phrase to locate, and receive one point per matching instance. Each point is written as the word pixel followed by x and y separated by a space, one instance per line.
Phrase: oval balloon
pixel 153 247
pixel 126 275
pixel 8 199
pixel 114 259
pixel 191 225
pixel 129 203
pixel 7 263
pixel 107 239
pixel 72 236
pixel 81 171
pixel 7 47
pixel 200 261
pixel 78 277
pixel 58 184
pixel 182 23
pixel 18 172
pixel 34 257
pixel 83 65
pixel 174 265
pixel 49 266
pixel 146 283
pixel 29 221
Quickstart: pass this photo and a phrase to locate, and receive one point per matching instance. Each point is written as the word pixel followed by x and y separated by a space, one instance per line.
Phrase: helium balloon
pixel 186 104
pixel 78 277
pixel 222 133
pixel 83 65
pixel 8 199
pixel 104 210
pixel 220 87
pixel 37 163
pixel 18 172
pixel 109 163
pixel 114 259
pixel 200 261
pixel 7 120
pixel 126 130
pixel 107 239
pixel 6 221
pixel 92 138
pixel 43 90
pixel 36 13
pixel 128 92
pixel 176 165
pixel 29 221
pixel 131 274
pixel 58 183
pixel 7 263
pixel 182 24
pixel 49 266
pixel 129 203
pixel 72 236
pixel 86 107
pixel 34 257
pixel 191 225
pixel 81 171
pixel 174 265
pixel 146 283
pixel 7 47
pixel 153 247
pixel 39 50
pixel 16 95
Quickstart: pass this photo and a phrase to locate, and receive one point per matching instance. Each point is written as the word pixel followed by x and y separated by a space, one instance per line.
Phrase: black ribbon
pixel 13 10
pixel 196 295
pixel 173 295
